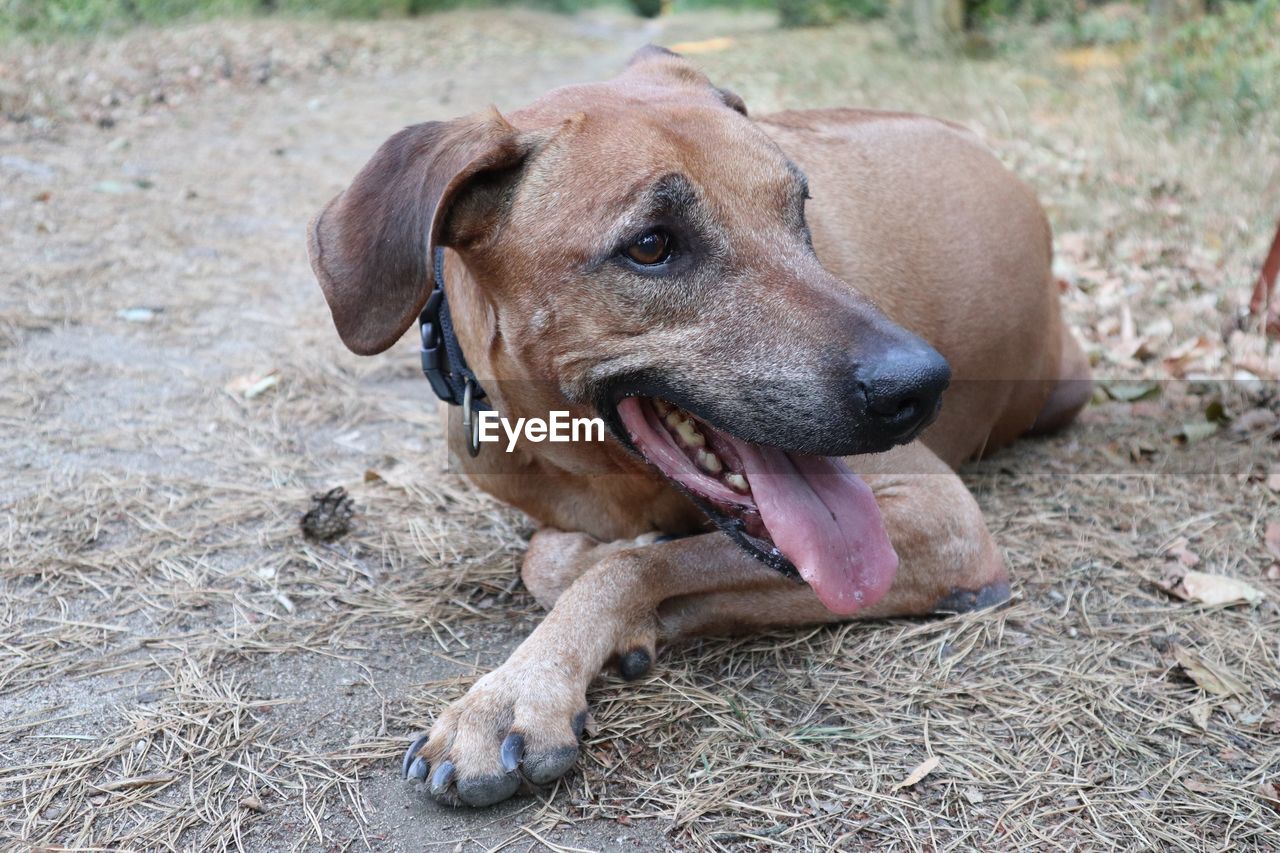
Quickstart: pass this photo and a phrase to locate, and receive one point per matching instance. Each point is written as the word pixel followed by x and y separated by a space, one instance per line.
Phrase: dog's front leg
pixel 524 718
pixel 949 562
pixel 617 600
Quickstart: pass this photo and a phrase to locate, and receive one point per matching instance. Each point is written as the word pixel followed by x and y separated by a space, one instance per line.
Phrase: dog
pixel 770 362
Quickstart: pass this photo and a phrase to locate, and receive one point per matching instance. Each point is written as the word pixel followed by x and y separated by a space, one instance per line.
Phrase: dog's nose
pixel 903 389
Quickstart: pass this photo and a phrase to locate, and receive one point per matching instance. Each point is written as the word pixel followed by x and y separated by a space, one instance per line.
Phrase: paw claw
pixel 411 759
pixel 441 778
pixel 418 770
pixel 512 751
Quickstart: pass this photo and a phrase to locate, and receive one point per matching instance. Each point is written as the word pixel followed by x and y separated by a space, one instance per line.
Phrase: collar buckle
pixel 443 363
pixel 435 357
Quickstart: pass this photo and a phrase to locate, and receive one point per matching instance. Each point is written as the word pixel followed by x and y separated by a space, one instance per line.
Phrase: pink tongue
pixel 824 519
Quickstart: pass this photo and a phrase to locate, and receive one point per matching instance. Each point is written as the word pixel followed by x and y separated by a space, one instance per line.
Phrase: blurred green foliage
pixel 989 12
pixel 86 17
pixel 91 16
pixel 816 13
pixel 1222 67
pixel 1109 25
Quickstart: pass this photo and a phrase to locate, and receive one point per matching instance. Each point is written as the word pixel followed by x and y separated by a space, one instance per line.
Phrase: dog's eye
pixel 650 249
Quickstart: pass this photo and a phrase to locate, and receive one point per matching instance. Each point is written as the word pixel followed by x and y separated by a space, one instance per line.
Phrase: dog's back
pixel 914 211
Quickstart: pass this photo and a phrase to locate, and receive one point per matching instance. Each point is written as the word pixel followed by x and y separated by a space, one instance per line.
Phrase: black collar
pixel 443 363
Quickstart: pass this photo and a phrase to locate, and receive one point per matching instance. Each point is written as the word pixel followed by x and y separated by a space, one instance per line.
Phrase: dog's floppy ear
pixel 371 247
pixel 653 58
pixel 651 52
pixel 732 100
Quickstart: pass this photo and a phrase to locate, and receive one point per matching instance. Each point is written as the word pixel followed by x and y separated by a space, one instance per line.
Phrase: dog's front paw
pixel 520 723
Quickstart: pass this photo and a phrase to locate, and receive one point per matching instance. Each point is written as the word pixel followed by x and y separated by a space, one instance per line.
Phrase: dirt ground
pixel 181 669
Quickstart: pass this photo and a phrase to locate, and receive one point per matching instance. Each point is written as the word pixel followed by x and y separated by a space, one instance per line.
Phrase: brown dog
pixel 642 251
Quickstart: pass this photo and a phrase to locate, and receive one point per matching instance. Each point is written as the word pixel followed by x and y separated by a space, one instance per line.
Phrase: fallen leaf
pixel 1200 715
pixel 1198 431
pixel 925 767
pixel 1179 550
pixel 1140 451
pixel 253 385
pixel 1209 677
pixel 1130 392
pixel 391 477
pixel 1185 356
pixel 1272 538
pixel 253 804
pixel 1158 329
pixel 973 795
pixel 1131 348
pixel 1199 786
pixel 1270 792
pixel 1212 590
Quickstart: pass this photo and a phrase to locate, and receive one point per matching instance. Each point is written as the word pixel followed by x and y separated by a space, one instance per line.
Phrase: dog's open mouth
pixel 797 513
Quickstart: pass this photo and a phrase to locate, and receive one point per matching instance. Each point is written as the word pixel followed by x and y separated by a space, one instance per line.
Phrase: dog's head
pixel 641 245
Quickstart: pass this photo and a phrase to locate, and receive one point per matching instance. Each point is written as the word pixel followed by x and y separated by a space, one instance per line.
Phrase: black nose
pixel 903 390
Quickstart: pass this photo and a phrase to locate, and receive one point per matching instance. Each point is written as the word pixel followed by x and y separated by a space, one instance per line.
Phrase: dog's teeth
pixel 663 407
pixel 738 483
pixel 709 462
pixel 689 435
pixel 683 427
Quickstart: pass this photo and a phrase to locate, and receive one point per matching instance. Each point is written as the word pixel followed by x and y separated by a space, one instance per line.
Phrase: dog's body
pixel 737 327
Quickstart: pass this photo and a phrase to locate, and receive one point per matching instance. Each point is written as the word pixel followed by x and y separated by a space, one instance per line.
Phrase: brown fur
pixel 917 226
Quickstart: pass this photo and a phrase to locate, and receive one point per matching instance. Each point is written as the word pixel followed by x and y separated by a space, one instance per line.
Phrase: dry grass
pixel 179 668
